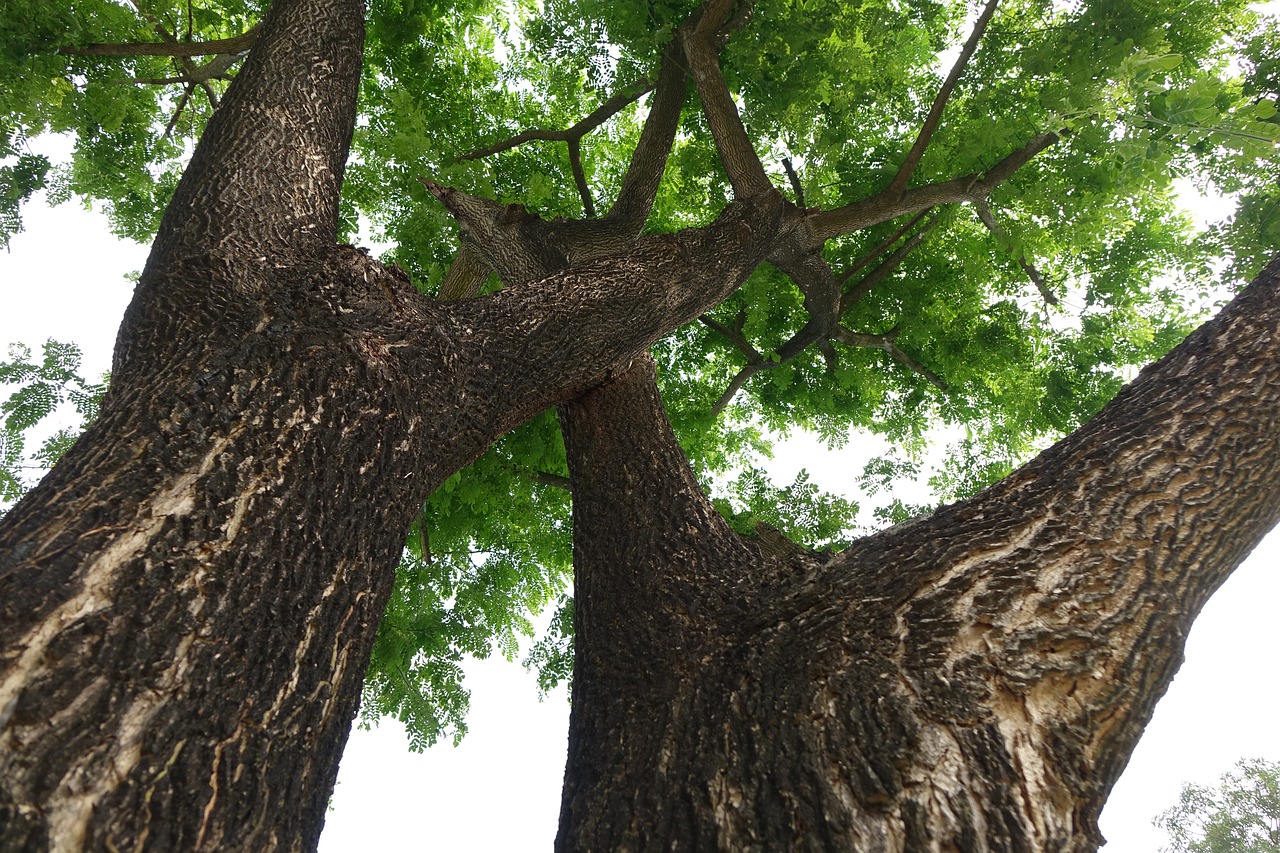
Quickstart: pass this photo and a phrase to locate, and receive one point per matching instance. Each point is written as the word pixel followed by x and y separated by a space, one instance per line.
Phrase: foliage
pixel 1143 93
pixel 1240 815
pixel 43 386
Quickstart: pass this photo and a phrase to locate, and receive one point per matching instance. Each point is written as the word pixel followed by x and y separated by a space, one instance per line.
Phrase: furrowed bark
pixel 974 680
pixel 189 600
pixel 265 179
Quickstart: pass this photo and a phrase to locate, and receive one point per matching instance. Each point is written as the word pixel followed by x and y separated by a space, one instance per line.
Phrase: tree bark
pixel 975 680
pixel 188 601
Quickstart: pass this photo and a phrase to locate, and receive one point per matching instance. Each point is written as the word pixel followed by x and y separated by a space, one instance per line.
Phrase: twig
pixel 796 186
pixel 989 220
pixel 555 481
pixel 908 167
pixel 887 343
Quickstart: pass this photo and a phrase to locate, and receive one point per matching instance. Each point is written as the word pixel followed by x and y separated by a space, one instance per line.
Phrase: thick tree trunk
pixel 975 680
pixel 188 601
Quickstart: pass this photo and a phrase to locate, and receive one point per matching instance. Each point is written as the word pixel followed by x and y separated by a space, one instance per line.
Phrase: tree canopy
pixel 1240 815
pixel 1049 263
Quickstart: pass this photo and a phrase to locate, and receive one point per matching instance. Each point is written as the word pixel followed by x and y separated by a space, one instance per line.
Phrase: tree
pixel 190 598
pixel 1241 815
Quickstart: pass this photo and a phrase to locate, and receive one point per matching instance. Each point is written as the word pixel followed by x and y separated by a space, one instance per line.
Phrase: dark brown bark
pixel 191 595
pixel 975 680
pixel 188 601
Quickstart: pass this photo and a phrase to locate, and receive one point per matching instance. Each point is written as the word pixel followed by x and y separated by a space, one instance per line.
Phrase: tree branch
pixel 580 178
pixel 741 163
pixel 822 300
pixel 268 168
pixel 175 48
pixel 734 335
pixel 887 343
pixel 989 220
pixel 466 274
pixel 882 207
pixel 883 246
pixel 649 159
pixel 853 295
pixel 514 243
pixel 796 186
pixel 735 385
pixel 195 74
pixel 555 481
pixel 908 167
pixel 597 117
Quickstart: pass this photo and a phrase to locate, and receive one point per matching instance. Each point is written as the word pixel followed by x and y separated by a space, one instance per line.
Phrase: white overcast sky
pixel 63 278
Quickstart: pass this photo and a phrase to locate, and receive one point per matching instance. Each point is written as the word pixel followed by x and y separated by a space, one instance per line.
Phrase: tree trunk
pixel 188 601
pixel 975 680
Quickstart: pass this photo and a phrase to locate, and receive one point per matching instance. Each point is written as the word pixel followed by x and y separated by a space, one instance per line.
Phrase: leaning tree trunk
pixel 188 601
pixel 975 680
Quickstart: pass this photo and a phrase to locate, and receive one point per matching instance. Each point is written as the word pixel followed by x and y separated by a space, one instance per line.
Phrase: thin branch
pixel 195 74
pixel 598 116
pixel 735 385
pixel 580 178
pixel 908 167
pixel 234 44
pixel 883 246
pixel 887 343
pixel 882 207
pixel 177 113
pixel 1002 171
pixel 822 300
pixel 555 481
pixel 734 335
pixel 796 186
pixel 829 355
pixel 988 219
pixel 853 295
pixel 821 290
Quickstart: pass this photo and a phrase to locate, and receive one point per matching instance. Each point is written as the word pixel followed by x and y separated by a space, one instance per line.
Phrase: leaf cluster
pixel 1240 815
pixel 44 385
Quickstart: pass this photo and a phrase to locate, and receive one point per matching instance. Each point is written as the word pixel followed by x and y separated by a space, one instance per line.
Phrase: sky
pixel 64 278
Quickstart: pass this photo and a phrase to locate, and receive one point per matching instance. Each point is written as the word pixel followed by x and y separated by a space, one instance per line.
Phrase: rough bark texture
pixel 188 601
pixel 975 680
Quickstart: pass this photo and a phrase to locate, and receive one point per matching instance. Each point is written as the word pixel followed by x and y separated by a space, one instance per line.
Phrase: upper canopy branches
pixel 797 249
